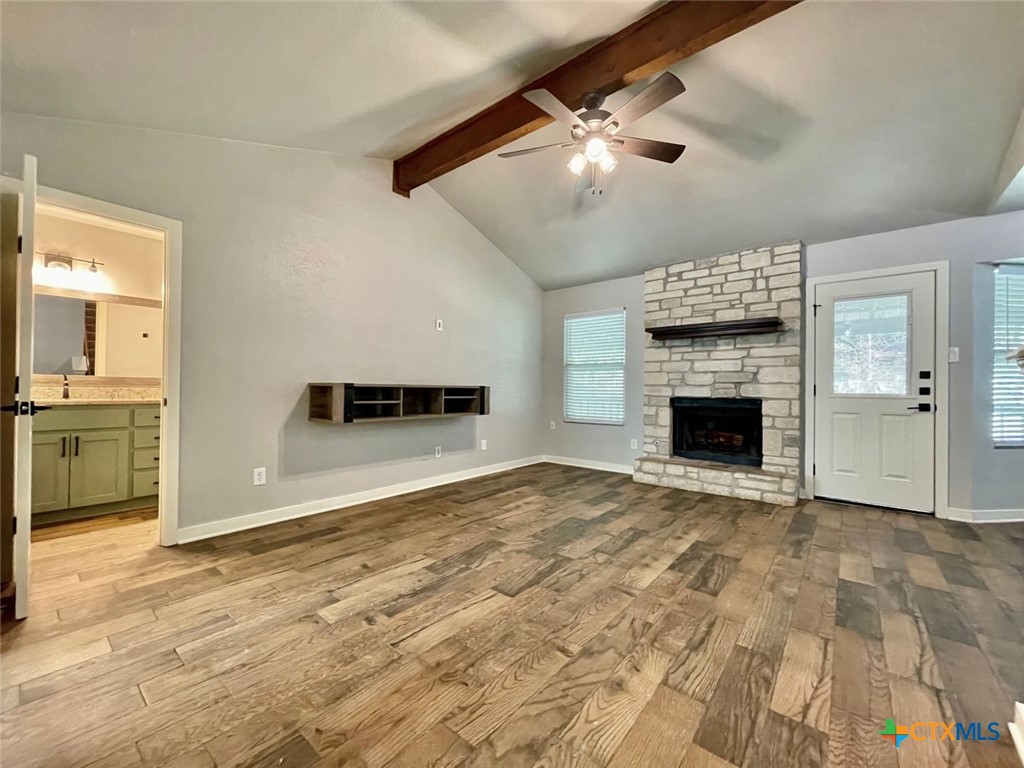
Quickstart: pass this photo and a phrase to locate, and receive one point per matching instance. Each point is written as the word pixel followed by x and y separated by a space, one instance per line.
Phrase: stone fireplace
pixel 722 388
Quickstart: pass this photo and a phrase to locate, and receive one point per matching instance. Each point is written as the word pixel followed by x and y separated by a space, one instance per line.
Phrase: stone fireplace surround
pixel 762 282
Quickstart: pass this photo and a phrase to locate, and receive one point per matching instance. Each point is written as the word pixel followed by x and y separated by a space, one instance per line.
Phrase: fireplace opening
pixel 717 429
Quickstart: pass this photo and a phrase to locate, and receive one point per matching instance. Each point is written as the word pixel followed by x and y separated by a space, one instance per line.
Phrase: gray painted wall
pixel 980 477
pixel 304 266
pixel 594 442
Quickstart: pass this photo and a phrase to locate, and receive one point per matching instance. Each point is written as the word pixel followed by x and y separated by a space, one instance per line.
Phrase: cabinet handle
pixel 156 482
pixel 157 438
pixel 63 447
pixel 156 458
pixel 76 445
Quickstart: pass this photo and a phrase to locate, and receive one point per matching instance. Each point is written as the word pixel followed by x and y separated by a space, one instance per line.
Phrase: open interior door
pixel 22 404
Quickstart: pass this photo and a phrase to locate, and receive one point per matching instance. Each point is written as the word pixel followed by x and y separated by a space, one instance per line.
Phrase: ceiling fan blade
pixel 545 100
pixel 664 151
pixel 665 88
pixel 531 150
pixel 587 179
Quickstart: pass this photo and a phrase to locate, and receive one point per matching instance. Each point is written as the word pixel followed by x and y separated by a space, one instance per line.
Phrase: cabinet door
pixel 99 467
pixel 51 453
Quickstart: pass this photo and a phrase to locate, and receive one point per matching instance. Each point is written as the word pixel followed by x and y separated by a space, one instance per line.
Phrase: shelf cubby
pixel 342 403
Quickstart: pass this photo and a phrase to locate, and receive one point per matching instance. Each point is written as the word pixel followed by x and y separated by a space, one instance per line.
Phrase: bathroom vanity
pixel 94 457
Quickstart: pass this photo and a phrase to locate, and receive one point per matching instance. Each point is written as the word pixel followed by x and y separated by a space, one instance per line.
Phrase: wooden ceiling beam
pixel 670 33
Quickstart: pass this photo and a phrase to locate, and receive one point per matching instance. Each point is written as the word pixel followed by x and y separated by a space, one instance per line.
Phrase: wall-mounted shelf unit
pixel 364 403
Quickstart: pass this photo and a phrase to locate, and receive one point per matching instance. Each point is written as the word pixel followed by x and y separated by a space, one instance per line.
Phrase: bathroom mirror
pixel 95 337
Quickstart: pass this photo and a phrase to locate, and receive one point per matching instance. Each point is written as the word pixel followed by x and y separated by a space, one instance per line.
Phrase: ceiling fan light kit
pixel 578 163
pixel 594 132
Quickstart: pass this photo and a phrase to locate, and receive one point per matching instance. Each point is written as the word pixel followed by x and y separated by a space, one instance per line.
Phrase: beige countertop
pixel 96 402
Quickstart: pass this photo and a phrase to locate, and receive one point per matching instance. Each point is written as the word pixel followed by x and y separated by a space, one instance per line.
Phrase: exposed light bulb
pixel 608 162
pixel 596 149
pixel 577 164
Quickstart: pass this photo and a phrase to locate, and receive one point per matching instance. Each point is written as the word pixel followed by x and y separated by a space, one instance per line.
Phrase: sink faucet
pixel 67 391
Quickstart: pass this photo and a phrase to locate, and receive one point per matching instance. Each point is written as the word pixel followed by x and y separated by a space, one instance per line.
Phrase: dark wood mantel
pixel 723 328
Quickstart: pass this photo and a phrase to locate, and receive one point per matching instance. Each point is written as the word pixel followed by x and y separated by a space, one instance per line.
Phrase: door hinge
pixel 14 525
pixel 814 390
pixel 19 244
pixel 815 308
pixel 17 382
pixel 814 469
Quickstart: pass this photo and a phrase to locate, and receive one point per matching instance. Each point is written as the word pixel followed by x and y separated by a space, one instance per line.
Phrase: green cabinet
pixel 50 466
pixel 99 467
pixel 145 482
pixel 79 469
pixel 86 456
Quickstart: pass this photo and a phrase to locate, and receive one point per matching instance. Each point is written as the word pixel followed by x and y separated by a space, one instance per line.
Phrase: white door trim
pixel 941 386
pixel 171 380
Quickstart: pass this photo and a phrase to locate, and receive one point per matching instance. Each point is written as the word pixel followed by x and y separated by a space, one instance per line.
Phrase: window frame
pixel 619 366
pixel 1003 371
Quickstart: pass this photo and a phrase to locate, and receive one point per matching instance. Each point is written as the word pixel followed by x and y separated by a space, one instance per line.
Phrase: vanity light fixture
pixel 56 261
pixel 64 263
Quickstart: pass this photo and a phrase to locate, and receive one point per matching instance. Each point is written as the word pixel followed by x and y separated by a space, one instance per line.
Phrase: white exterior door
pixel 874 391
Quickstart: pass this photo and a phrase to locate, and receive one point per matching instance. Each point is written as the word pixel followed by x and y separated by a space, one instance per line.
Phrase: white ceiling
pixel 830 120
pixel 366 78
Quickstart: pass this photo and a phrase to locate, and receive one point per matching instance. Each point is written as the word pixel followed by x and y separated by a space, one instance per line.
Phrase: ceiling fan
pixel 595 131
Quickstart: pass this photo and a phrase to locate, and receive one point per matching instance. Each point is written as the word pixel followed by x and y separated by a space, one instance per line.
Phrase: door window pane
pixel 871 345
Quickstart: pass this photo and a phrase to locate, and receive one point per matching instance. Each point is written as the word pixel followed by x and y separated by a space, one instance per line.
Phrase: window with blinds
pixel 1007 377
pixel 595 364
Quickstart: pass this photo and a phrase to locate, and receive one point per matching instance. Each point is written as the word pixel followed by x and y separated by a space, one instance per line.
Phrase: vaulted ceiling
pixel 830 120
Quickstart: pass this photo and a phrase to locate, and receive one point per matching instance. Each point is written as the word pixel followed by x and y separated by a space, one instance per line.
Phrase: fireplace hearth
pixel 727 430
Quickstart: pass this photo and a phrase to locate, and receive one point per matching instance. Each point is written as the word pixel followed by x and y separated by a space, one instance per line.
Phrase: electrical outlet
pixel 483 444
pixel 632 443
pixel 437 452
pixel 439 324
pixel 552 424
pixel 259 476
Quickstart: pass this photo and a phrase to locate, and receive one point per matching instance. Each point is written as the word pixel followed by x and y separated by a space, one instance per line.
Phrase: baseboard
pixel 604 466
pixel 270 516
pixel 985 515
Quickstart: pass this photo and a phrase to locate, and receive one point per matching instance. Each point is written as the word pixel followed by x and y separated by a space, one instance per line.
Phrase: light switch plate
pixel 954 354
pixel 439 324
pixel 437 452
pixel 632 443
pixel 483 444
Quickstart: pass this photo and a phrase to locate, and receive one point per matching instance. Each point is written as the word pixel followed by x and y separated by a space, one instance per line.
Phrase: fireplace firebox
pixel 727 430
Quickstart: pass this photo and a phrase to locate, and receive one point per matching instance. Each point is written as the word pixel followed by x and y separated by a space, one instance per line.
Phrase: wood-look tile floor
pixel 546 616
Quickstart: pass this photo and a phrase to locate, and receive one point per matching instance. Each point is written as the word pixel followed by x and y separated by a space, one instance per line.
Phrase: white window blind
pixel 595 363
pixel 1007 378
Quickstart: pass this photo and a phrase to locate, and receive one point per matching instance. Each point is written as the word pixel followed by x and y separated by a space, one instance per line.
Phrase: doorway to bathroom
pixel 93 423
